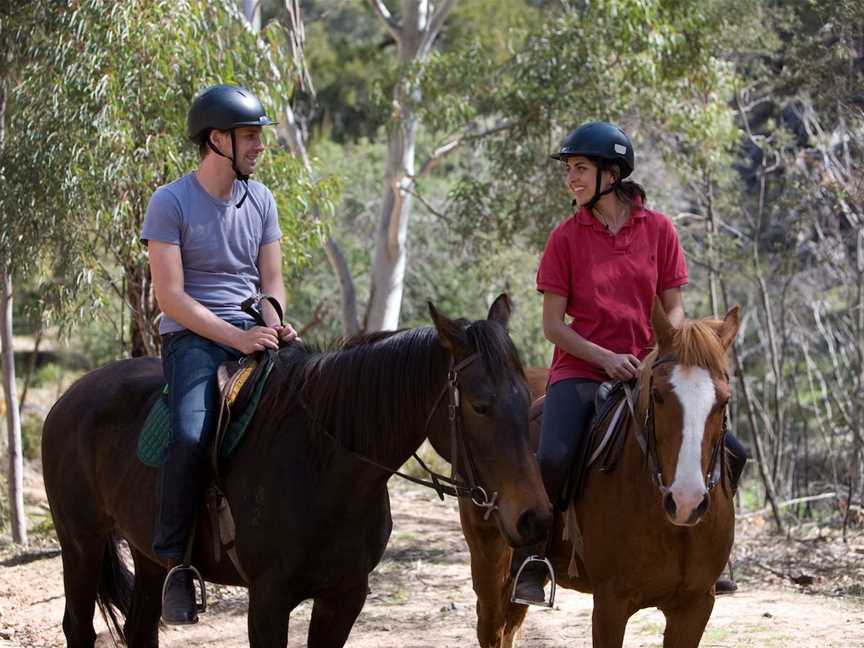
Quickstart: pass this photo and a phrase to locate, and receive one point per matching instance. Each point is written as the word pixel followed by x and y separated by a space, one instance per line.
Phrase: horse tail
pixel 114 594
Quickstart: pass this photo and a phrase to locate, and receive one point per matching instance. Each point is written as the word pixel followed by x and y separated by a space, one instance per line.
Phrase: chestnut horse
pixel 311 508
pixel 649 540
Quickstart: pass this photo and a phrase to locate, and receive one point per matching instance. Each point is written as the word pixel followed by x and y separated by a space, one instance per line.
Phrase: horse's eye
pixel 483 409
pixel 658 398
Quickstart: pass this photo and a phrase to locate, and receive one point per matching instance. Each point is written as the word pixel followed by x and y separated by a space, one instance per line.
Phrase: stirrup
pixel 202 588
pixel 532 559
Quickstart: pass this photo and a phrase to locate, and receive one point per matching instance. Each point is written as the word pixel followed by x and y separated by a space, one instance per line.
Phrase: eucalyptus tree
pixel 98 122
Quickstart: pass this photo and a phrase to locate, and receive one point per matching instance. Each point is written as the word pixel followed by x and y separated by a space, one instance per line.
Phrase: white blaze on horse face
pixel 695 391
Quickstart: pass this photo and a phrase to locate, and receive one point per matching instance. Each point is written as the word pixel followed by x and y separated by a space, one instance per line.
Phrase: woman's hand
pixel 621 366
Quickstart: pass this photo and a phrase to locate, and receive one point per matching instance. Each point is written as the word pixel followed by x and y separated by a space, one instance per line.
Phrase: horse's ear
pixel 501 310
pixel 663 329
pixel 729 327
pixel 449 332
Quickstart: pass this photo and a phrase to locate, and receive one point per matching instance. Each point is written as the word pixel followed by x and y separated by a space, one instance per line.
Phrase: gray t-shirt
pixel 219 243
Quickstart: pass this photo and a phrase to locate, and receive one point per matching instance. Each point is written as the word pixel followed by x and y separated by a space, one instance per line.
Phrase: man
pixel 213 241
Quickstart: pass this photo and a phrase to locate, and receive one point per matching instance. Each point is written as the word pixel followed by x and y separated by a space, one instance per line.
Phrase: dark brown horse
pixel 649 540
pixel 312 518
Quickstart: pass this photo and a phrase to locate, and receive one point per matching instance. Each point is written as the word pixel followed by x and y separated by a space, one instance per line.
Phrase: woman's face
pixel 582 178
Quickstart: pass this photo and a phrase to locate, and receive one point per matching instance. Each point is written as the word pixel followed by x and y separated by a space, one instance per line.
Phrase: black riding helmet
pixel 599 140
pixel 225 107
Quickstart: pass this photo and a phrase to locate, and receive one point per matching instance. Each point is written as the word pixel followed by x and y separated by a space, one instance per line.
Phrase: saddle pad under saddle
pixel 156 430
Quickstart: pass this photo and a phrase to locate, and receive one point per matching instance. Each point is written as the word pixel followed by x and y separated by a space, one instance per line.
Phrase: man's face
pixel 249 146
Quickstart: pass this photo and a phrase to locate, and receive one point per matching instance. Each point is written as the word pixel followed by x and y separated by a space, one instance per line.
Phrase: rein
pixel 442 484
pixel 646 436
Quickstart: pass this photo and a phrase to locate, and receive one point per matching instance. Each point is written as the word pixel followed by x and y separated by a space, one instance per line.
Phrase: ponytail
pixel 627 191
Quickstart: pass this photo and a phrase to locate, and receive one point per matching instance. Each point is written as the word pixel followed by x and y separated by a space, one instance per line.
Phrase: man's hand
pixel 255 339
pixel 622 366
pixel 287 333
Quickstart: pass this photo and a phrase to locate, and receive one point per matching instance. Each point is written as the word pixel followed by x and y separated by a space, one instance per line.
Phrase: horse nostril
pixel 669 504
pixel 703 505
pixel 531 527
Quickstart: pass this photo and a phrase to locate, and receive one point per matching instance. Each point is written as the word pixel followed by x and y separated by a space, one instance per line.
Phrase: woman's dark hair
pixel 626 191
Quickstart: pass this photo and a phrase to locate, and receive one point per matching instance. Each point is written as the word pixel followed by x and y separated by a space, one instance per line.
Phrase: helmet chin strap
pixel 599 194
pixel 244 178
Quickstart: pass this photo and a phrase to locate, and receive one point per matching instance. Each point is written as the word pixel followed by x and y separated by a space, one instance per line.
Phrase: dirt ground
pixel 422 597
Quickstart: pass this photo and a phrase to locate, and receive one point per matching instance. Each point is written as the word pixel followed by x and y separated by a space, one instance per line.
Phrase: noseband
pixel 646 436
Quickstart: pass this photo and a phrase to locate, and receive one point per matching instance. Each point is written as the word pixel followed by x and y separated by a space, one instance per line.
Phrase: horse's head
pixel 684 392
pixel 494 402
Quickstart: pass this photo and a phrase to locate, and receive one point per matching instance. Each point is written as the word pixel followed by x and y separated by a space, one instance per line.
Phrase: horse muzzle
pixel 685 509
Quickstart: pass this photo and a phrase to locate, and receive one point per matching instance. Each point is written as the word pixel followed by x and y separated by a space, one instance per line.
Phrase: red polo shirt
pixel 609 282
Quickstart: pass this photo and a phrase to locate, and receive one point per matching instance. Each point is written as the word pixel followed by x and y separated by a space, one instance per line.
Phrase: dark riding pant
pixel 567 415
pixel 189 362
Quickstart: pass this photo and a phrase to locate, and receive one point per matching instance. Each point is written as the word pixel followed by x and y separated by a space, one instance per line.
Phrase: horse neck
pixel 389 424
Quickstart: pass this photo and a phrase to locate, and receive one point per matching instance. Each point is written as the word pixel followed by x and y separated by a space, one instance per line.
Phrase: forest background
pixel 411 165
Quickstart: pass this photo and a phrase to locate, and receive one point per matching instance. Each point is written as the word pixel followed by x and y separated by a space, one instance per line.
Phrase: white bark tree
pixel 18 519
pixel 421 22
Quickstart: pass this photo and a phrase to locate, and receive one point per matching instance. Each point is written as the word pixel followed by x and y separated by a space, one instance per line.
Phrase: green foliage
pixel 97 122
pixel 648 65
pixel 31 437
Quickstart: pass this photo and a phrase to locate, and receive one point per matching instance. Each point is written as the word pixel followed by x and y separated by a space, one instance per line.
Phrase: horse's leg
pixel 686 623
pixel 270 607
pixel 333 616
pixel 142 623
pixel 82 568
pixel 609 620
pixel 498 621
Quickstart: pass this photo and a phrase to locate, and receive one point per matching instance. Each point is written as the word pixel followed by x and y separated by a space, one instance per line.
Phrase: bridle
pixel 441 484
pixel 646 436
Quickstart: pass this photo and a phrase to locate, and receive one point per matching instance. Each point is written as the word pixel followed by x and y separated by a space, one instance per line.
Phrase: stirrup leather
pixel 535 559
pixel 202 589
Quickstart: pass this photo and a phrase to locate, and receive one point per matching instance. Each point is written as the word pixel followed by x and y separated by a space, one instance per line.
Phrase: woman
pixel 602 266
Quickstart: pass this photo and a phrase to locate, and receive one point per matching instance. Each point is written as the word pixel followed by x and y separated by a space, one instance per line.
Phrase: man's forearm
pixel 193 315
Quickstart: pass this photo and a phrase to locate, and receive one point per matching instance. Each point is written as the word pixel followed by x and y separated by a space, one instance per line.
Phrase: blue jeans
pixel 189 363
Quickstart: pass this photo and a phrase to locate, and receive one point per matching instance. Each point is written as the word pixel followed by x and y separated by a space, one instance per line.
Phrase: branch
pixel 381 10
pixel 791 502
pixel 449 147
pixel 426 204
pixel 434 27
pixel 315 321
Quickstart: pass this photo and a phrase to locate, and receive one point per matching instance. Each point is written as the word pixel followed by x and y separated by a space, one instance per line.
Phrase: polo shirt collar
pixel 584 217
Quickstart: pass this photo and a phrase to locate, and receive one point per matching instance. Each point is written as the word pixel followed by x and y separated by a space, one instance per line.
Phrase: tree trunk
pixel 18 520
pixel 415 36
pixel 290 130
pixel 252 11
pixel 350 324
pixel 143 332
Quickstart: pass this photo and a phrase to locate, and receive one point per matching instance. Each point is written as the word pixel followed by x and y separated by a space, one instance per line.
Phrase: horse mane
pixel 370 391
pixel 696 344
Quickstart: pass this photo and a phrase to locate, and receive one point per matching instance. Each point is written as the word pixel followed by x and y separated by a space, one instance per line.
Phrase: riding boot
pixel 737 456
pixel 531 572
pixel 178 599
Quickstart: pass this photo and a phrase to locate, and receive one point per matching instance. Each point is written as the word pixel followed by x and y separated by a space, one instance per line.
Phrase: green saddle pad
pixel 157 427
